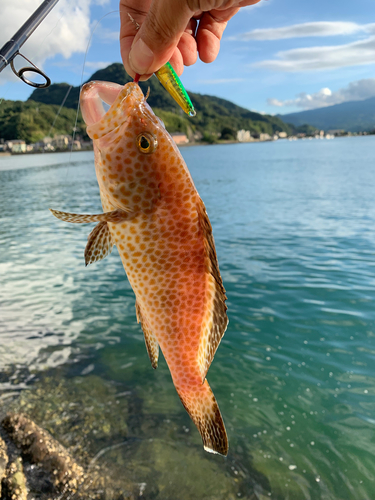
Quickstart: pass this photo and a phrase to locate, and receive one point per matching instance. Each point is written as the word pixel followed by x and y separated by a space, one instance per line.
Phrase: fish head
pixel 128 138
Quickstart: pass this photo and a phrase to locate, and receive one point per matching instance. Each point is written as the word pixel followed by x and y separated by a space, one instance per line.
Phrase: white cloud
pixel 304 30
pixel 323 58
pixel 107 35
pixel 65 30
pixel 355 91
pixel 97 64
pixel 220 80
pixel 262 3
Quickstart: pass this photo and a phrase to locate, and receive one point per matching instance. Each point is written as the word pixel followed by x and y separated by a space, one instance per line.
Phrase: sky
pixel 276 57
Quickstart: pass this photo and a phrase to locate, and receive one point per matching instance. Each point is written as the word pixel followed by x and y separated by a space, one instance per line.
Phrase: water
pixel 294 375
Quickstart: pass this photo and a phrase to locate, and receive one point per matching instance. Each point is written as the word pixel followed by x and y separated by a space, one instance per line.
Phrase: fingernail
pixel 140 57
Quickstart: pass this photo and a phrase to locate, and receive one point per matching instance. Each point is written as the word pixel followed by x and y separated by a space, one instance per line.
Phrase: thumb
pixel 159 35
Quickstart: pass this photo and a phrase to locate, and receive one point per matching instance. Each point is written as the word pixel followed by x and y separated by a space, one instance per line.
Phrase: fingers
pixel 132 15
pixel 158 31
pixel 210 31
pixel 159 35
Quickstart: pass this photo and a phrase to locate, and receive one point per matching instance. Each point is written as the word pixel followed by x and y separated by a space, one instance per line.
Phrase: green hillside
pixel 31 121
pixel 213 114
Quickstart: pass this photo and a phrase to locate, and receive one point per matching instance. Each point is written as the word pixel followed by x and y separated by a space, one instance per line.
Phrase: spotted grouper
pixel 155 217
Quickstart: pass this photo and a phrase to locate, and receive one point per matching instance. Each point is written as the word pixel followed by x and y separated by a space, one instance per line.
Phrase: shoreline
pixel 7 154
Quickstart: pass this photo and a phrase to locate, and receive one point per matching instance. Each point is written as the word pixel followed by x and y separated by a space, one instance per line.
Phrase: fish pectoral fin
pixel 99 243
pixel 150 339
pixel 114 216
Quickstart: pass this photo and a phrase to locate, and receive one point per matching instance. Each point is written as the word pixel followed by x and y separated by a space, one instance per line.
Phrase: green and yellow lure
pixel 171 82
pixel 173 85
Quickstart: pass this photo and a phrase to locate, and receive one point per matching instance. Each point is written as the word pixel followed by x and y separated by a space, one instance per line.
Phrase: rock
pixel 39 447
pixel 14 484
pixel 3 461
pixel 66 479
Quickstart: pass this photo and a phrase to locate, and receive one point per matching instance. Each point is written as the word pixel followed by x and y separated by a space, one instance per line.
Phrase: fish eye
pixel 146 143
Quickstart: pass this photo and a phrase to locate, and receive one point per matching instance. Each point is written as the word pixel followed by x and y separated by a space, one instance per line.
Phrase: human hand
pixel 172 30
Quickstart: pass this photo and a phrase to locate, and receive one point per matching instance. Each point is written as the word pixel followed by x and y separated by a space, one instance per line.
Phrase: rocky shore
pixel 37 457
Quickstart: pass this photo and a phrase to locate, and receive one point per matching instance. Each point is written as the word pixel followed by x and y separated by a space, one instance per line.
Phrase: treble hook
pixel 12 48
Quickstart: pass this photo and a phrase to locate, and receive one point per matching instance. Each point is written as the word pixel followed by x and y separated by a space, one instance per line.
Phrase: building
pixel 282 135
pixel 180 138
pixel 244 136
pixel 61 141
pixel 336 132
pixel 264 137
pixel 16 146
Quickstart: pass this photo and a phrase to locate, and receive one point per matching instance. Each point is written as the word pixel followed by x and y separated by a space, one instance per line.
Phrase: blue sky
pixel 278 56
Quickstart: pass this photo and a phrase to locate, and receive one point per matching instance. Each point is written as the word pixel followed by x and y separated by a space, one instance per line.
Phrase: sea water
pixel 294 376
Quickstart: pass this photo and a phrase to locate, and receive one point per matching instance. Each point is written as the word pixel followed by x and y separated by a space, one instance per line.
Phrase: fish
pixel 154 215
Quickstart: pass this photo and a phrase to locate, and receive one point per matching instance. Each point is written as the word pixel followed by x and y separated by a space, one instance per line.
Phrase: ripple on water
pixel 294 375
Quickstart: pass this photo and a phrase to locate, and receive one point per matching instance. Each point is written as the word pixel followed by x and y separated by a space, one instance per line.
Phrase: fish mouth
pixel 120 99
pixel 93 94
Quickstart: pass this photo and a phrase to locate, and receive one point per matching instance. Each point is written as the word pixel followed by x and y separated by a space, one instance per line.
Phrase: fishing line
pixel 58 112
pixel 83 71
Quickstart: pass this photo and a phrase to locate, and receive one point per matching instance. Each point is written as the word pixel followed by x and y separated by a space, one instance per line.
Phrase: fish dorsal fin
pixel 216 320
pixel 99 243
pixel 150 339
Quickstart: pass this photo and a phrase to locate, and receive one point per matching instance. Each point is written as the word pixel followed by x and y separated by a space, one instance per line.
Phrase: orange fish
pixel 155 217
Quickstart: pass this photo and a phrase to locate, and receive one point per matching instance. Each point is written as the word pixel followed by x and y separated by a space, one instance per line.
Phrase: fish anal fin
pixel 114 216
pixel 216 320
pixel 99 243
pixel 201 405
pixel 152 345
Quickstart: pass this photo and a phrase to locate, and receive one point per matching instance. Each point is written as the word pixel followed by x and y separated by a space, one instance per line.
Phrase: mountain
pixel 214 115
pixel 352 116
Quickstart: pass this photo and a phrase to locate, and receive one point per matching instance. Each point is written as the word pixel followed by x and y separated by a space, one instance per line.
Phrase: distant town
pixel 61 143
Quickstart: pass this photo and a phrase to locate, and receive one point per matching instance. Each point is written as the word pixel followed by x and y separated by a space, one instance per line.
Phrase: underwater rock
pixel 65 476
pixel 39 447
pixel 3 461
pixel 14 484
pixel 81 412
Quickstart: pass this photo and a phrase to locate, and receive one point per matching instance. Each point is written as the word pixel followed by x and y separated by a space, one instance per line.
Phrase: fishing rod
pixel 12 48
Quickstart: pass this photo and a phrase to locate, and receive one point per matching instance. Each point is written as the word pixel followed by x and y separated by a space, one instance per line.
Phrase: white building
pixel 244 136
pixel 264 137
pixel 16 146
pixel 61 141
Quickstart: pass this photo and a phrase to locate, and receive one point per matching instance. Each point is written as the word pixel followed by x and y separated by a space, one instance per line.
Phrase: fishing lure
pixel 171 82
pixel 173 85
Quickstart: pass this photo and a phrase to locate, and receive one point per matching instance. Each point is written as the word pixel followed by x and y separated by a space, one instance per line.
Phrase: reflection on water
pixel 294 375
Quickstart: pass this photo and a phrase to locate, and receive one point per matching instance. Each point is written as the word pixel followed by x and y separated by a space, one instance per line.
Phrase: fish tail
pixel 201 405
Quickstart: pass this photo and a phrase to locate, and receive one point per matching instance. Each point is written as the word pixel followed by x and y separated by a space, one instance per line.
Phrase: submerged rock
pixel 66 479
pixel 3 461
pixel 39 447
pixel 14 484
